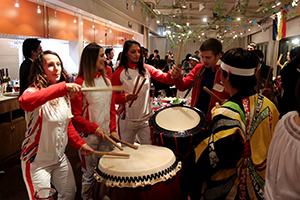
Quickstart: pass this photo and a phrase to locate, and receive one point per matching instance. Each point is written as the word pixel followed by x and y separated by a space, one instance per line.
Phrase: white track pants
pixel 38 175
pixel 130 130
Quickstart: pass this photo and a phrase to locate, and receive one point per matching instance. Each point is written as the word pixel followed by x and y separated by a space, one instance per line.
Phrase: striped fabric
pixel 234 151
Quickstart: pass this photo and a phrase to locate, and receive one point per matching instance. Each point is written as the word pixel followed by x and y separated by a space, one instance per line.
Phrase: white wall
pixel 9 56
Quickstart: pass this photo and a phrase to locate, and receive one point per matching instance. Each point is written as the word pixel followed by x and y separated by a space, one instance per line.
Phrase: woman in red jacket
pixel 133 121
pixel 49 128
pixel 94 112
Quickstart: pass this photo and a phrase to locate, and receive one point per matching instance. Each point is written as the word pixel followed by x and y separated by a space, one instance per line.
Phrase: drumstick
pixel 111 153
pixel 212 94
pixel 257 78
pixel 140 87
pixel 113 88
pixel 279 58
pixel 128 144
pixel 179 51
pixel 113 142
pixel 136 83
pixel 269 77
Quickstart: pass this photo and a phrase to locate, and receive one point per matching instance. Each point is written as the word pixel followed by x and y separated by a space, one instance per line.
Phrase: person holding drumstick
pixel 135 108
pixel 94 112
pixel 206 74
pixel 232 154
pixel 49 122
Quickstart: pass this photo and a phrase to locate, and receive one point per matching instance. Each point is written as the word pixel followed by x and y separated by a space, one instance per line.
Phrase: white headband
pixel 238 71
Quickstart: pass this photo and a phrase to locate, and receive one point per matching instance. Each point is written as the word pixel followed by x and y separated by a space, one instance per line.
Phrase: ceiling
pixel 222 15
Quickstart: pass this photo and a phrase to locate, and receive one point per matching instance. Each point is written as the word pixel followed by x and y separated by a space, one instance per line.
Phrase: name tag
pixel 218 87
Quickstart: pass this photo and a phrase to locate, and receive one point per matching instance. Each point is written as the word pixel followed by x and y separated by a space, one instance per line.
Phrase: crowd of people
pixel 240 155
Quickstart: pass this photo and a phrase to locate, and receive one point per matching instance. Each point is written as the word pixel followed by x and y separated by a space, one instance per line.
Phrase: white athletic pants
pixel 129 130
pixel 38 175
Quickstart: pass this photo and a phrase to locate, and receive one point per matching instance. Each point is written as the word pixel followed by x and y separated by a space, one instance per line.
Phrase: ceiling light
pixel 74 18
pixel 17 4
pixel 278 3
pixel 183 6
pixel 38 8
pixel 249 29
pixel 204 19
pixel 274 6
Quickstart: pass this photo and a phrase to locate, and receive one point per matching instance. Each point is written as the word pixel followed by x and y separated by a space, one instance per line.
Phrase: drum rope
pixel 162 140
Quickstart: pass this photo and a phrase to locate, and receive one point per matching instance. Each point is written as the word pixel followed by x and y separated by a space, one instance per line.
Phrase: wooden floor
pixel 12 186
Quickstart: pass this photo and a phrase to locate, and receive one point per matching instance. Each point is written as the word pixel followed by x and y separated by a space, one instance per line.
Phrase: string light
pixel 17 4
pixel 38 9
pixel 74 18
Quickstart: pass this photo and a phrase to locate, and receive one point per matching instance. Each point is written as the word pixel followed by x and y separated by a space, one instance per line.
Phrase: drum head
pixel 146 166
pixel 179 120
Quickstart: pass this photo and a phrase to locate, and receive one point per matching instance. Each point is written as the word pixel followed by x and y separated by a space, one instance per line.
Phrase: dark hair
pixel 297 94
pixel 30 44
pixel 88 64
pixel 294 52
pixel 124 59
pixel 242 59
pixel 108 50
pixel 259 53
pixel 196 51
pixel 161 64
pixel 187 56
pixel 119 56
pixel 38 78
pixel 213 45
pixel 156 51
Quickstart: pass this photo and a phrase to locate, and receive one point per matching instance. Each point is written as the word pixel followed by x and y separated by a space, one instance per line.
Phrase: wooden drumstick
pixel 137 92
pixel 111 153
pixel 136 83
pixel 113 88
pixel 179 51
pixel 257 78
pixel 269 77
pixel 128 144
pixel 212 94
pixel 113 142
pixel 279 58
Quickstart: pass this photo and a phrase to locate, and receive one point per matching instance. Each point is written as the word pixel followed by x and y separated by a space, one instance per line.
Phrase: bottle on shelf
pixel 4 81
pixel 9 86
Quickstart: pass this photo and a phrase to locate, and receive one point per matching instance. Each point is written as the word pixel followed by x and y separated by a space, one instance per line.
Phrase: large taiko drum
pixel 177 127
pixel 149 173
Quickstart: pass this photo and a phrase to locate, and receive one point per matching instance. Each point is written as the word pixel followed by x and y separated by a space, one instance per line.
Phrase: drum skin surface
pixel 177 127
pixel 151 172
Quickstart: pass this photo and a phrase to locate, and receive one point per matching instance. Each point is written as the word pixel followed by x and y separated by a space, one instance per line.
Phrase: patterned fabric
pixel 234 149
pixel 49 124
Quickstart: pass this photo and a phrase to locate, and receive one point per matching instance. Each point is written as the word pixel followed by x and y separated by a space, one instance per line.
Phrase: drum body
pixel 151 172
pixel 177 127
